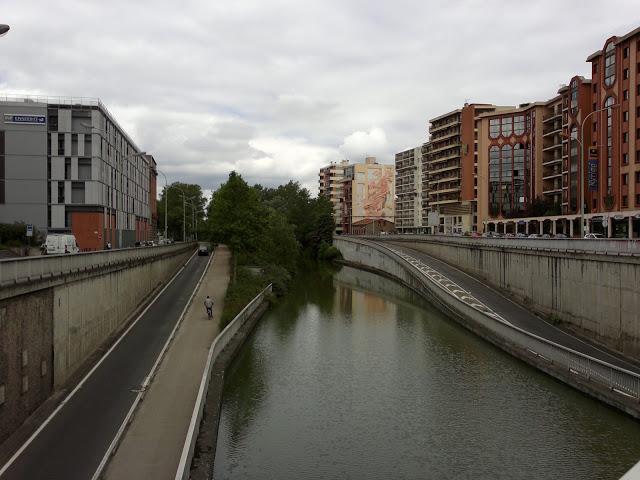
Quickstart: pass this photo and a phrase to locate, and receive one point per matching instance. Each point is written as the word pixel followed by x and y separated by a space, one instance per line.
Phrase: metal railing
pixel 617 379
pixel 31 269
pixel 570 245
pixel 218 345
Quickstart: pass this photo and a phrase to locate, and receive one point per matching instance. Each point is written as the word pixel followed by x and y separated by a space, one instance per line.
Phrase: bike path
pixel 512 311
pixel 75 440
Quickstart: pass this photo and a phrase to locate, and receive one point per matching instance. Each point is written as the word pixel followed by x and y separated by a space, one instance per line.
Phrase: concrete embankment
pixel 59 312
pixel 503 323
pixel 593 293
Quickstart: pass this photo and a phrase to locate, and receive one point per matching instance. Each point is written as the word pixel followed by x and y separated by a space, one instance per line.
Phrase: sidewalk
pixel 153 443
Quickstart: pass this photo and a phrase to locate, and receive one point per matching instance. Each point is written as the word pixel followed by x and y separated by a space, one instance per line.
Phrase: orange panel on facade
pixel 87 228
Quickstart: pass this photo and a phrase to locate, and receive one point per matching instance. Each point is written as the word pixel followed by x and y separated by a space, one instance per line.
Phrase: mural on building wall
pixel 375 196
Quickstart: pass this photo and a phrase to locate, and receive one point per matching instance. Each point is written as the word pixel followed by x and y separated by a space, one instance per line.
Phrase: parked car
pixel 560 235
pixel 521 235
pixel 509 235
pixel 203 251
pixel 535 235
pixel 60 243
pixel 545 236
pixel 594 236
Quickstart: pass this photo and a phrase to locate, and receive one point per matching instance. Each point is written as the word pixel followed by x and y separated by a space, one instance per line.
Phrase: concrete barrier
pixel 609 383
pixel 217 347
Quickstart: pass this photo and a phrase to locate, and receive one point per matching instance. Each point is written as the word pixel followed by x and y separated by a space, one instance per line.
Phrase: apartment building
pixel 613 176
pixel 409 185
pixel 67 166
pixel 425 211
pixel 331 186
pixel 452 166
pixel 590 159
pixel 368 193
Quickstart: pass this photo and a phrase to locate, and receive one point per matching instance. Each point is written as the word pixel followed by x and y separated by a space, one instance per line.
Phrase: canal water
pixel 352 376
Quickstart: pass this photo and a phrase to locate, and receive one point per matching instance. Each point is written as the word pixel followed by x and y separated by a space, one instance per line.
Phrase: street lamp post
pixel 166 205
pixel 582 178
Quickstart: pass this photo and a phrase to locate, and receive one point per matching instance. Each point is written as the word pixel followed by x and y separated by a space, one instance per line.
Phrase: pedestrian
pixel 108 245
pixel 208 304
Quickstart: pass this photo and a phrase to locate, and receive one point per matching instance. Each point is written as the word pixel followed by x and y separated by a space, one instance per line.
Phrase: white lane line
pixel 450 286
pixel 24 446
pixel 128 418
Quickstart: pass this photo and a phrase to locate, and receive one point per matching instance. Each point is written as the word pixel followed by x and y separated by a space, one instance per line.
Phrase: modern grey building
pixel 67 166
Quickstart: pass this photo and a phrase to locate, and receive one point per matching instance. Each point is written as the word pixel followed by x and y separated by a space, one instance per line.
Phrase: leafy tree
pixel 175 213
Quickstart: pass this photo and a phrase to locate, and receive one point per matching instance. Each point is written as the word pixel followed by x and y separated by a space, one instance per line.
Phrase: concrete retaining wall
pixel 88 312
pixel 58 311
pixel 595 295
pixel 609 384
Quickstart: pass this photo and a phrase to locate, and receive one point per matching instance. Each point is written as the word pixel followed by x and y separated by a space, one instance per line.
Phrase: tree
pixel 175 212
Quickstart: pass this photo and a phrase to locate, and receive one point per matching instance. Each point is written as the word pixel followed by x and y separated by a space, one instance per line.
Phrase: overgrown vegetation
pixel 271 229
pixel 15 235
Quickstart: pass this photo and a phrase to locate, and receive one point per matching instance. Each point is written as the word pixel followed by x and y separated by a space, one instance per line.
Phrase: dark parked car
pixel 203 251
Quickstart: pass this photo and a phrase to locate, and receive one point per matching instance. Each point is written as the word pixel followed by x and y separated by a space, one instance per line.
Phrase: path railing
pixel 218 345
pixel 30 269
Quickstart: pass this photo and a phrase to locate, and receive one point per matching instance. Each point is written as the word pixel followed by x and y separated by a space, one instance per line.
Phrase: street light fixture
pixel 582 177
pixel 4 29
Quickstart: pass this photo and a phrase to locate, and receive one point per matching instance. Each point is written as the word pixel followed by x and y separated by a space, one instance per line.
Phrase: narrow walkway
pixel 514 313
pixel 153 443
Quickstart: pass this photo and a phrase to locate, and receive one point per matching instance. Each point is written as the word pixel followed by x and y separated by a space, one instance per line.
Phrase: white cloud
pixel 276 88
pixel 360 144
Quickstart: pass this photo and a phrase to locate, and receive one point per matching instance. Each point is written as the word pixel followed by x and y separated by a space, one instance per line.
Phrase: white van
pixel 60 243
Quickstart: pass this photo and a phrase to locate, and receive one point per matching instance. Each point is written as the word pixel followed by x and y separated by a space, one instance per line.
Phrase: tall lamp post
pixel 166 196
pixel 582 178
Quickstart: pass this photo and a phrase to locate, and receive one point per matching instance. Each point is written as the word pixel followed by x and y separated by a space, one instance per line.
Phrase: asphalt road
pixel 73 443
pixel 513 312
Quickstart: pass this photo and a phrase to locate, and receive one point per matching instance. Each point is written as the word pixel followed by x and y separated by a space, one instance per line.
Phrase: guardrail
pixel 218 345
pixel 29 269
pixel 619 380
pixel 608 246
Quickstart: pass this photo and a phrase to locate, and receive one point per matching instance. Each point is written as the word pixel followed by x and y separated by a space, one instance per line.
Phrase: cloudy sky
pixel 277 88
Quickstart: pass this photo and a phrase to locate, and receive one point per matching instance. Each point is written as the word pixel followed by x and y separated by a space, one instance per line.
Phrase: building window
pixel 518 124
pixel 610 65
pixel 77 192
pixel 506 126
pixel 625 158
pixel 494 128
pixel 625 94
pixel 573 170
pixel 638 156
pixel 637 177
pixel 625 202
pixel 595 88
pixel 625 137
pixel 506 179
pixel 625 179
pixel 625 116
pixel 638 199
pixel 494 180
pixel 625 52
pixel 574 97
pixel 608 104
pixel 625 73
pixel 595 67
pixel 637 133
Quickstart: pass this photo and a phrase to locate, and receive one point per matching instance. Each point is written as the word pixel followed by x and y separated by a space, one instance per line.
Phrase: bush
pixel 240 292
pixel 328 252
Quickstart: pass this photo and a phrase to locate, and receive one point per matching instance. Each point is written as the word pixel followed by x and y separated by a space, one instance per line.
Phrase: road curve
pixel 74 441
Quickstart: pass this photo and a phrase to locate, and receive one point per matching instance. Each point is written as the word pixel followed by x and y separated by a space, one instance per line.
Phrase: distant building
pixel 371 226
pixel 67 166
pixel 409 186
pixel 331 186
pixel 368 193
pixel 452 163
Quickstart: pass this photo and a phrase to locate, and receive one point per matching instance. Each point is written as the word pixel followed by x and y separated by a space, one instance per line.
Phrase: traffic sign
pixel 29 230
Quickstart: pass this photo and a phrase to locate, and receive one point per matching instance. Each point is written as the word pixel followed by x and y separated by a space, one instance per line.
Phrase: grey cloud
pixel 280 85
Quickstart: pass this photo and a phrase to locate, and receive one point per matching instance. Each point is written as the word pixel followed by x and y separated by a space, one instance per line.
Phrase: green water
pixel 352 376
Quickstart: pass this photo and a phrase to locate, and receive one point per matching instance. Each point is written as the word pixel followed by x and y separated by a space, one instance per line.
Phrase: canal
pixel 352 376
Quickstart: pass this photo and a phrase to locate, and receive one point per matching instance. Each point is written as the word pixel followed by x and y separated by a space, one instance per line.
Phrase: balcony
pixel 445 147
pixel 551 175
pixel 445 135
pixel 552 147
pixel 444 158
pixel 441 126
pixel 446 168
pixel 444 202
pixel 451 178
pixel 551 162
pixel 555 131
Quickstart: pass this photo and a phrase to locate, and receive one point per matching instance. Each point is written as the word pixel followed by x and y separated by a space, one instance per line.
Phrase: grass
pixel 240 292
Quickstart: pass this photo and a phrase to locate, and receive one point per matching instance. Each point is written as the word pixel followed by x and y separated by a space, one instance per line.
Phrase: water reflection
pixel 354 376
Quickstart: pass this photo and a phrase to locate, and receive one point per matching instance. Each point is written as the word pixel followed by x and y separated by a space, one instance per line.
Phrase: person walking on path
pixel 208 304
